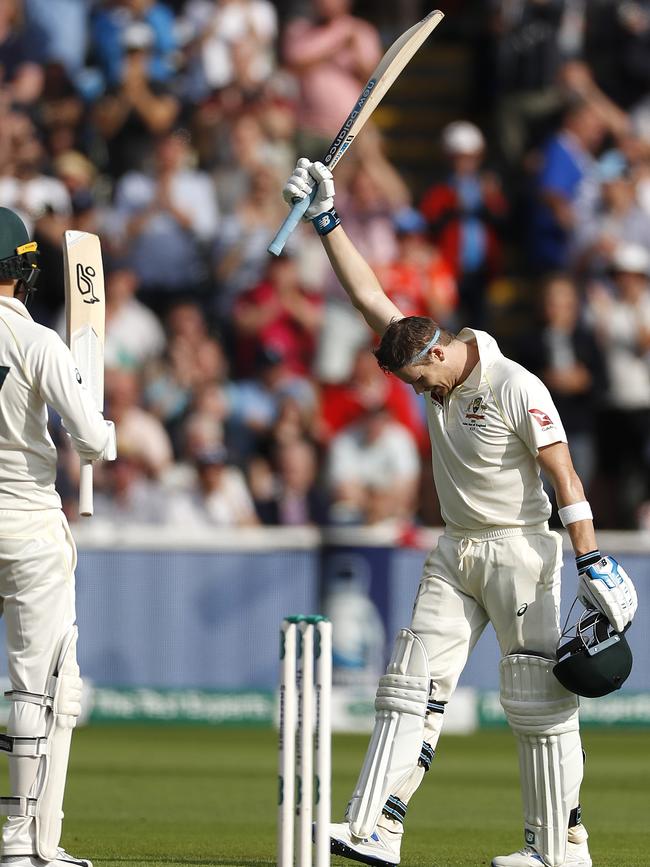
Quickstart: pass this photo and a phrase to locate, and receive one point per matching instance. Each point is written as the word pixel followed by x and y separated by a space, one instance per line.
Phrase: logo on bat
pixel 343 132
pixel 85 285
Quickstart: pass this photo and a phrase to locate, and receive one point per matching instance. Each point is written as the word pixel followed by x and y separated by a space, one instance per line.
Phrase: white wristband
pixel 575 512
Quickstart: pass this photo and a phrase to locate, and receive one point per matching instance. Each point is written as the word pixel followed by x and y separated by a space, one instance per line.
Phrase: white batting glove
pixel 603 584
pixel 305 177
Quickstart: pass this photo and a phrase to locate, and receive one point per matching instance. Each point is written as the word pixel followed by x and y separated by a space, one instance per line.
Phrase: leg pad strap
pixel 31 748
pixel 18 807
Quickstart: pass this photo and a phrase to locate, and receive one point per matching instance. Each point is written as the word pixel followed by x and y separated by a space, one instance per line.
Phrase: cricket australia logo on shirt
pixel 475 414
pixel 542 419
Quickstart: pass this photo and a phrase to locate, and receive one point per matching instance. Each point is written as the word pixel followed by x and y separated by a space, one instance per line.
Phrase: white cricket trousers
pixel 509 577
pixel 37 561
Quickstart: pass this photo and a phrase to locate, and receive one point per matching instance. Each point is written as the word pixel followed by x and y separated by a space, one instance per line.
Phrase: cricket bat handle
pixel 294 217
pixel 86 489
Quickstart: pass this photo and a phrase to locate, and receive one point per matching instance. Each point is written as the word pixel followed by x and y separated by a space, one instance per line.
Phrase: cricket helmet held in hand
pixel 18 255
pixel 597 660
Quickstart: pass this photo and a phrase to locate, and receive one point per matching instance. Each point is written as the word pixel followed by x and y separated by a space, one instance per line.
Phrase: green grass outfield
pixel 145 795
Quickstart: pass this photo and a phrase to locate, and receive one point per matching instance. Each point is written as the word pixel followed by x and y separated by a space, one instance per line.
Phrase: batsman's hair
pixel 405 338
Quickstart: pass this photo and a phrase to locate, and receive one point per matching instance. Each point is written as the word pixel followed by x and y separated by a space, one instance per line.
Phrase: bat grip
pixel 293 219
pixel 86 489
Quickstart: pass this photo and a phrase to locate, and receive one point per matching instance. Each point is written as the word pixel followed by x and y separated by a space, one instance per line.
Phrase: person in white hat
pixel 622 321
pixel 465 214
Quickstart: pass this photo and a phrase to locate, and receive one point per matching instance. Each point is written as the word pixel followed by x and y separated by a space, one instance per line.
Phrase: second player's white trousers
pixel 37 593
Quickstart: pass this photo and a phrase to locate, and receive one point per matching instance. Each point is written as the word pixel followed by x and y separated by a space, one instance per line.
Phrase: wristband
pixel 584 561
pixel 575 512
pixel 324 223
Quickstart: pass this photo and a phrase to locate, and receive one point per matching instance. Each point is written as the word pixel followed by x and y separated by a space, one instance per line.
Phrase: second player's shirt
pixel 37 369
pixel 485 436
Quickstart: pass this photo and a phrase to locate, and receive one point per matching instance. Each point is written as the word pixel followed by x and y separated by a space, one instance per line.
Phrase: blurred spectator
pixel 136 109
pixel 562 350
pixel 25 187
pixel 566 187
pixel 618 218
pixel 202 430
pixel 419 281
pixel 170 217
pixel 121 26
pixel 134 335
pixel 245 148
pixel 636 151
pixel 259 403
pixel 241 255
pixel 620 40
pixel 174 383
pixel 622 322
pixel 345 403
pixel 465 215
pixel 236 41
pixel 220 499
pixel 61 112
pixel 64 28
pixel 128 496
pixel 139 433
pixel 373 471
pixel 280 314
pixel 531 38
pixel 540 48
pixel 287 494
pixel 332 55
pixel 76 172
pixel 21 55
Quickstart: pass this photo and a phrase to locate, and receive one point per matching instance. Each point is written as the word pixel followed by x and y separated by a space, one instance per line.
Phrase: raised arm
pixel 354 273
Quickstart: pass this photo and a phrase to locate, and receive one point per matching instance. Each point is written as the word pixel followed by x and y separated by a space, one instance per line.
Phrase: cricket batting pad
pixel 396 742
pixel 39 763
pixel 543 716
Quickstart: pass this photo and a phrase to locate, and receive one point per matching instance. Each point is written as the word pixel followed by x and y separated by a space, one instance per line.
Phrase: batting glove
pixel 603 584
pixel 305 177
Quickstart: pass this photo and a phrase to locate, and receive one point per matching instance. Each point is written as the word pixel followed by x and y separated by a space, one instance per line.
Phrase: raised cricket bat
pixel 390 66
pixel 85 309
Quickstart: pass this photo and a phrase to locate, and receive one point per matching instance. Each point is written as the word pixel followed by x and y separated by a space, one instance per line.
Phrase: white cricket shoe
pixel 577 855
pixel 381 849
pixel 62 860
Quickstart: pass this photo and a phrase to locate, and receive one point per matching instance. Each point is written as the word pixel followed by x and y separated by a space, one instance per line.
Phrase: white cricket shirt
pixel 37 369
pixel 485 436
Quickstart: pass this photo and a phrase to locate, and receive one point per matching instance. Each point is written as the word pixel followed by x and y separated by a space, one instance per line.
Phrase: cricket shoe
pixel 381 849
pixel 62 860
pixel 577 855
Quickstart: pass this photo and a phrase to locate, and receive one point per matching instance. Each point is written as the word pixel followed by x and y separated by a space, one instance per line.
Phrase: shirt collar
pixel 15 305
pixel 488 352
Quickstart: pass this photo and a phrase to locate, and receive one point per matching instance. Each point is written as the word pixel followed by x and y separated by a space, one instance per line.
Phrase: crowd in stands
pixel 243 387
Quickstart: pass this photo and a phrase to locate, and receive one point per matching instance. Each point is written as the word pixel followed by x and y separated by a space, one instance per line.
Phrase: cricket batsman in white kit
pixel 493 425
pixel 37 558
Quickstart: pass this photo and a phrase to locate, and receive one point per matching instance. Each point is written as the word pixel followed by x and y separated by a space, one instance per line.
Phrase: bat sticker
pixel 85 285
pixel 348 123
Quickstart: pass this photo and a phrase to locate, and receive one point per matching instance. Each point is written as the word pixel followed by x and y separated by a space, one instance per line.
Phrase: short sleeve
pixel 531 413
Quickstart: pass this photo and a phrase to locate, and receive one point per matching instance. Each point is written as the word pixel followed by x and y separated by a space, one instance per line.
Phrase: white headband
pixel 424 351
